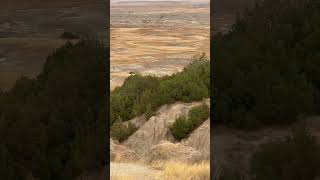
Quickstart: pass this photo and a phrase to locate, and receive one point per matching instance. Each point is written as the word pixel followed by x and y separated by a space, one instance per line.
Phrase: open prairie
pixel 30 30
pixel 157 38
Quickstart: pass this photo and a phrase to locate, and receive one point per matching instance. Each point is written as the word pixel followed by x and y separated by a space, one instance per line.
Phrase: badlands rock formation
pixel 153 140
pixel 168 151
pixel 119 153
pixel 200 139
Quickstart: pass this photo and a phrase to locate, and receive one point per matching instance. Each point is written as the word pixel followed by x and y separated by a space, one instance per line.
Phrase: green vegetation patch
pixel 183 126
pixel 267 65
pixel 53 127
pixel 144 94
pixel 121 131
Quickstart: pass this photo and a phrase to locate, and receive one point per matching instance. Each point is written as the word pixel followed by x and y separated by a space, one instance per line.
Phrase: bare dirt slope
pixel 153 145
pixel 200 139
pixel 156 129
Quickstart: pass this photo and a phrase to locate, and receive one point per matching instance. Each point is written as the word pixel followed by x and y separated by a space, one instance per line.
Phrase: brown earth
pixel 153 145
pixel 129 171
pixel 156 129
pixel 23 57
pixel 120 153
pixel 199 139
pixel 156 38
pixel 177 152
pixel 101 175
pixel 234 148
pixel 30 30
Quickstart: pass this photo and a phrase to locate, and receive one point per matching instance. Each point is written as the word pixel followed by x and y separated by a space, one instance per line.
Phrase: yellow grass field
pixel 172 171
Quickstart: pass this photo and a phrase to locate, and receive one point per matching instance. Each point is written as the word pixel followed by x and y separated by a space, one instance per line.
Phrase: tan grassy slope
pixel 169 171
pixel 152 151
pixel 178 171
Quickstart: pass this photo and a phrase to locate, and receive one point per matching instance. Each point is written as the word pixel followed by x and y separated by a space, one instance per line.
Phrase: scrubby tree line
pixel 267 65
pixel 143 95
pixel 53 126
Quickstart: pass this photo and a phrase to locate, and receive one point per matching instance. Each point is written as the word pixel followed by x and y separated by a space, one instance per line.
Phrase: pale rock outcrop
pixel 153 140
pixel 120 153
pixel 168 151
pixel 156 128
pixel 137 121
pixel 199 139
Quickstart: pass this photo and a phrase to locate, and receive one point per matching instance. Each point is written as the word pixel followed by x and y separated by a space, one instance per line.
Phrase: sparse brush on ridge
pixel 183 126
pixel 121 131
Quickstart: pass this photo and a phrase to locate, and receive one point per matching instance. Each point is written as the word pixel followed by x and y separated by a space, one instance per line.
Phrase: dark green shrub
pixel 265 62
pixel 132 98
pixel 180 128
pixel 192 84
pixel 121 131
pixel 297 158
pixel 198 115
pixel 144 94
pixel 183 126
pixel 53 127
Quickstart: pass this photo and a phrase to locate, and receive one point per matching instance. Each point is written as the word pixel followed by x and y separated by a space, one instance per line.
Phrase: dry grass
pixel 173 170
pixel 121 177
pixel 178 170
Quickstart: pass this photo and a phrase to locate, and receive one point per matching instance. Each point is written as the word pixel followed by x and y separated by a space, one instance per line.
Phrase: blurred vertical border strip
pixel 106 41
pixel 212 90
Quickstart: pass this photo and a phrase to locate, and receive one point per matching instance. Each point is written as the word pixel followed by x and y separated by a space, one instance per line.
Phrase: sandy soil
pixel 157 39
pixel 133 172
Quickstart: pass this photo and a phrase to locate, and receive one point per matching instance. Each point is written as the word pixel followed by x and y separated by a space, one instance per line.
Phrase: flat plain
pixel 156 38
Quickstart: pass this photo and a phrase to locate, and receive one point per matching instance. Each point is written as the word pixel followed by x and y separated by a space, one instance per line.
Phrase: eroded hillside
pixel 153 144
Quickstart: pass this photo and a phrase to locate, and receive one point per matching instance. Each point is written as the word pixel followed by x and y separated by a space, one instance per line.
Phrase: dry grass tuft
pixel 173 170
pixel 178 171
